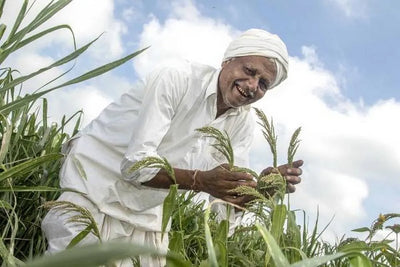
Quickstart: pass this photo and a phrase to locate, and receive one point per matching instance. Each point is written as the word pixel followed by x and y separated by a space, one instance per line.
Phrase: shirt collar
pixel 212 90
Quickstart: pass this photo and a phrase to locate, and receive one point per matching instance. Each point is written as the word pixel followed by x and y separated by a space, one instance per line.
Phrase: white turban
pixel 256 42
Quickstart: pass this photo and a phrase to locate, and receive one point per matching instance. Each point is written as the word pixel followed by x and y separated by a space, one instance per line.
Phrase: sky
pixel 342 87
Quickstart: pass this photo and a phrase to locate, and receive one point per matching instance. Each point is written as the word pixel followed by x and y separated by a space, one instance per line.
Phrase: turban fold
pixel 256 42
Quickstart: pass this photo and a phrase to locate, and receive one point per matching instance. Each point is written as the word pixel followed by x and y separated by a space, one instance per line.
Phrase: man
pixel 127 205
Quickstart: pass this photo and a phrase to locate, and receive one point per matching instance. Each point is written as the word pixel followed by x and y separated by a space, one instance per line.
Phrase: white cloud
pixel 88 19
pixel 184 35
pixel 345 145
pixel 87 98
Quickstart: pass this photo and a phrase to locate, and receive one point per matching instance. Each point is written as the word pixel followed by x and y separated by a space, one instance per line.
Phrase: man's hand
pixel 291 174
pixel 219 181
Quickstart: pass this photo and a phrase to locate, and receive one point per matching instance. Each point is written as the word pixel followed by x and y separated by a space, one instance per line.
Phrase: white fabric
pixel 256 42
pixel 157 118
pixel 60 233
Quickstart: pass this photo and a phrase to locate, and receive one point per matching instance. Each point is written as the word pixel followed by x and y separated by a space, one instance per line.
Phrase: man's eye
pixel 249 71
pixel 264 85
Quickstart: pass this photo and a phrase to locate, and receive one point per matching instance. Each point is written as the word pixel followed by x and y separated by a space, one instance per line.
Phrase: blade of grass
pixel 92 255
pixel 6 137
pixel 59 62
pixel 169 206
pixel 273 247
pixel 27 166
pixel 42 33
pixel 278 220
pixel 212 257
pixel 18 20
pixel 2 2
pixel 39 188
pixel 91 74
pixel 3 28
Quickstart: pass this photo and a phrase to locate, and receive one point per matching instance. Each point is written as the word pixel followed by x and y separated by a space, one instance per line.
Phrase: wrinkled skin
pixel 244 80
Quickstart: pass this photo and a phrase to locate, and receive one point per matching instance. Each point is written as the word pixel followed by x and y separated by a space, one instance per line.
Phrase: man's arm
pixel 217 182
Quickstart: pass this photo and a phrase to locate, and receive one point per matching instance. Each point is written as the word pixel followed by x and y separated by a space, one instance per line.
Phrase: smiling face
pixel 244 80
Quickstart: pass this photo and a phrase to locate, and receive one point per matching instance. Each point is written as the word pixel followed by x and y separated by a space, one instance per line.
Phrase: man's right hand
pixel 219 181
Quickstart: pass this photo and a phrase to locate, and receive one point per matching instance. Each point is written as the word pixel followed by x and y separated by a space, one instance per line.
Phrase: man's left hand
pixel 291 174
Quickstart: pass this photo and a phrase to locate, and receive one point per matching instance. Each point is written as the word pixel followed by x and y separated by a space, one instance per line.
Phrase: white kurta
pixel 157 118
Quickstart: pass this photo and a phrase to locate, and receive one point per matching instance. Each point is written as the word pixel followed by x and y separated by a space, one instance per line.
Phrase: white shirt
pixel 157 118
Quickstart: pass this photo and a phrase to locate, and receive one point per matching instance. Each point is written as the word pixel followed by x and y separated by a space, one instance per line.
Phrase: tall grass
pixel 30 155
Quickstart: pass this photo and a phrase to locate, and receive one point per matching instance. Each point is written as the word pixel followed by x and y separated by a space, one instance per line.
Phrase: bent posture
pixel 159 118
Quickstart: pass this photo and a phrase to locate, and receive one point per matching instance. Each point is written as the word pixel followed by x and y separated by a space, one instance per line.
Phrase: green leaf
pixel 362 229
pixel 3 28
pixel 94 255
pixel 59 62
pixel 6 137
pixel 316 261
pixel 79 167
pixel 7 257
pixel 176 241
pixel 42 33
pixel 2 2
pixel 5 205
pixel 273 247
pixel 221 239
pixel 278 220
pixel 212 258
pixel 100 70
pixel 78 238
pixel 169 206
pixel 19 19
pixel 27 166
pixel 360 261
pixel 91 74
pixel 31 189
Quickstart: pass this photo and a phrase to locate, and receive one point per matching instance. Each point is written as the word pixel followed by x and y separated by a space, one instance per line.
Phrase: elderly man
pixel 159 118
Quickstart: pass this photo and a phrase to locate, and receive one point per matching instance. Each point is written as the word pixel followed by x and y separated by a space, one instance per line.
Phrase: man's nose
pixel 252 85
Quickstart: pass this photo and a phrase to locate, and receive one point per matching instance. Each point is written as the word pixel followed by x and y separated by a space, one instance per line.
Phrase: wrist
pixel 195 181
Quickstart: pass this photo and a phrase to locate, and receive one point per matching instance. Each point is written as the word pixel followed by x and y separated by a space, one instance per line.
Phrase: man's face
pixel 244 80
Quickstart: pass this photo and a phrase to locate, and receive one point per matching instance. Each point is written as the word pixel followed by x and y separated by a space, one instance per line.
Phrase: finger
pixel 251 183
pixel 290 188
pixel 293 179
pixel 296 171
pixel 235 199
pixel 297 163
pixel 238 176
pixel 268 170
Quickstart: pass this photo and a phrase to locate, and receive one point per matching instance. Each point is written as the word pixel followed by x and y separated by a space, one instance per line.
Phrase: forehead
pixel 264 63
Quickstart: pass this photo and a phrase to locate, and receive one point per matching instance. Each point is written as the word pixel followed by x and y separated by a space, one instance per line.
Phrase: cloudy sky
pixel 342 87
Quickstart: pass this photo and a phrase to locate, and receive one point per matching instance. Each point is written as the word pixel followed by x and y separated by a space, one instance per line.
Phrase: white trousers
pixel 59 233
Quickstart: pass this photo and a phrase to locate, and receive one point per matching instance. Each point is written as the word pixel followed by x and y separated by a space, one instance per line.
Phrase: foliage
pixel 30 154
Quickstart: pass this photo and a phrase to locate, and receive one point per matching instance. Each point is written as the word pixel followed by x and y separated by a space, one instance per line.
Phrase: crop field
pixel 30 160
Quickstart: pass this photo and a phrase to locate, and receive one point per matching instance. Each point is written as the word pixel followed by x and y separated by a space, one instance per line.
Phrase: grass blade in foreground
pixel 273 247
pixel 357 260
pixel 98 254
pixel 28 166
pixel 212 257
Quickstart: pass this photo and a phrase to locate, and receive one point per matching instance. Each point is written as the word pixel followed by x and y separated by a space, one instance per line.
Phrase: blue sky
pixel 342 86
pixel 356 39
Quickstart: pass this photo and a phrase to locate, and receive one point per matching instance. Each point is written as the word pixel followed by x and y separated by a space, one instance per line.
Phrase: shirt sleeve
pixel 163 92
